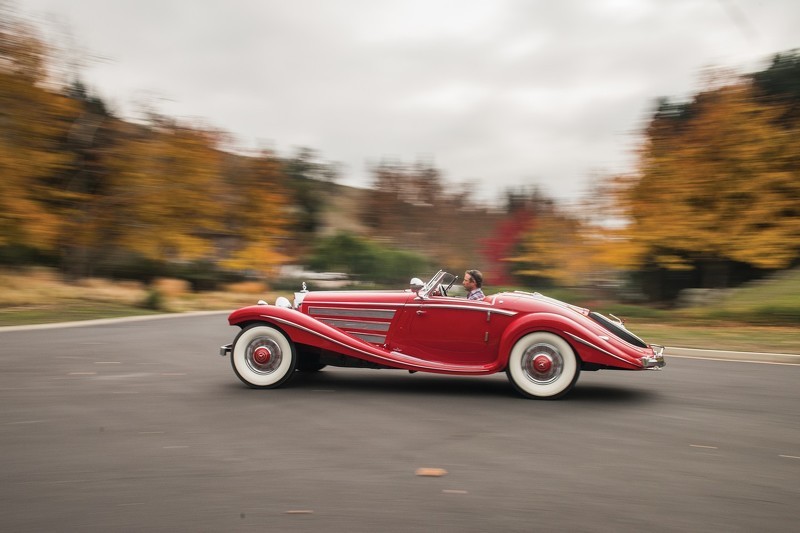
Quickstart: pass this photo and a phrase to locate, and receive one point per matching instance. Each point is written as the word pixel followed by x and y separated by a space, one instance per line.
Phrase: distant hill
pixel 449 234
pixel 341 213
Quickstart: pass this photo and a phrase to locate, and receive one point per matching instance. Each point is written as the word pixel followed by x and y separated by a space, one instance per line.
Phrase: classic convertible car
pixel 541 343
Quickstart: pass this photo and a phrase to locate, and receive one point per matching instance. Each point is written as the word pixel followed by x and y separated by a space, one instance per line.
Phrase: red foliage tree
pixel 501 245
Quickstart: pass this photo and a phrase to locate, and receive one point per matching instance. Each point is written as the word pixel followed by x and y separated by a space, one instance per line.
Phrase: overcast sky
pixel 498 92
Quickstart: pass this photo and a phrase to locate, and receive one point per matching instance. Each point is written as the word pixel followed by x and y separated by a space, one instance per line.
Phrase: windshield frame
pixel 440 278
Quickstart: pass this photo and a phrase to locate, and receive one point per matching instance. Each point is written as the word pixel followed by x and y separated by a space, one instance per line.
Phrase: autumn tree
pixel 409 200
pixel 780 84
pixel 34 124
pixel 501 247
pixel 504 245
pixel 85 184
pixel 413 207
pixel 306 180
pixel 718 182
pixel 89 188
pixel 554 249
pixel 258 213
pixel 162 201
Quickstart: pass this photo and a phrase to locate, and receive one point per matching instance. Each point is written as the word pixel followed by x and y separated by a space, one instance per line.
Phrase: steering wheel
pixel 442 290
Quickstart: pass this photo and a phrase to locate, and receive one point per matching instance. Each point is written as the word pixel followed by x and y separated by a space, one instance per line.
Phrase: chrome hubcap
pixel 542 363
pixel 263 355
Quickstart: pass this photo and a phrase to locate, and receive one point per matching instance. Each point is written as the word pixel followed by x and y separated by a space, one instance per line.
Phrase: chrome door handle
pixel 420 312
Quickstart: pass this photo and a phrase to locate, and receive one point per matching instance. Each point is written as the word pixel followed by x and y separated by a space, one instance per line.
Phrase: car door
pixel 452 330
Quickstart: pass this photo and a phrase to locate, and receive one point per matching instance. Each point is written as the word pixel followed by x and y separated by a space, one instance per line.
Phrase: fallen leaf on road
pixel 431 472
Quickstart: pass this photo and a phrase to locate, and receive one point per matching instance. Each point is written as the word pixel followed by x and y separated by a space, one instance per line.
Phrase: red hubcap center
pixel 542 363
pixel 262 355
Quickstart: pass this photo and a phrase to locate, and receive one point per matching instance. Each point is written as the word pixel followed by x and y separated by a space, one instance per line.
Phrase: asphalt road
pixel 141 426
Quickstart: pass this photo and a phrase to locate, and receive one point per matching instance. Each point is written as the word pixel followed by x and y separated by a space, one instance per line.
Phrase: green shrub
pixel 18 255
pixel 366 260
pixel 154 300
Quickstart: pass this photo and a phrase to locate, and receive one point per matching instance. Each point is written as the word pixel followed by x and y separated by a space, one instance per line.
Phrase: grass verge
pixel 41 296
pixel 68 311
pixel 721 336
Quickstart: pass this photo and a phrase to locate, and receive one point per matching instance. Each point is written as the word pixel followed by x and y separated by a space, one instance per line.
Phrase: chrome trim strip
pixel 352 312
pixel 429 304
pixel 375 339
pixel 371 304
pixel 356 324
pixel 589 344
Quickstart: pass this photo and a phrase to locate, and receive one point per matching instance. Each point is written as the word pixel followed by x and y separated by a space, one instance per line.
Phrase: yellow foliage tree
pixel 33 124
pixel 258 214
pixel 557 248
pixel 719 181
pixel 164 191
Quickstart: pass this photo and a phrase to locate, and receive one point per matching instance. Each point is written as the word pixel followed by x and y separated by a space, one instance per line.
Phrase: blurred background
pixel 640 154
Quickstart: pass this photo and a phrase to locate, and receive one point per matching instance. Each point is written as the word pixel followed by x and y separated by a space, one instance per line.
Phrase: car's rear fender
pixel 588 346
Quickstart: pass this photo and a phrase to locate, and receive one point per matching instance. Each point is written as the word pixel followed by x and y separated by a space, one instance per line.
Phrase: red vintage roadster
pixel 541 343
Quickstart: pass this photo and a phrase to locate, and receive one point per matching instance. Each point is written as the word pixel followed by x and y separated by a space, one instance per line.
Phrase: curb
pixel 105 321
pixel 728 355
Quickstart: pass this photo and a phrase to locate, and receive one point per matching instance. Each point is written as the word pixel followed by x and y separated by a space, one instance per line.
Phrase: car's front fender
pixel 300 327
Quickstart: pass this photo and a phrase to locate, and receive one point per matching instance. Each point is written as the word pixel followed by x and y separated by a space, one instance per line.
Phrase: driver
pixel 473 281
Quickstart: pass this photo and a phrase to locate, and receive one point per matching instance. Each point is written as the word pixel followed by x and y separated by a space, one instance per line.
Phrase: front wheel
pixel 263 357
pixel 542 365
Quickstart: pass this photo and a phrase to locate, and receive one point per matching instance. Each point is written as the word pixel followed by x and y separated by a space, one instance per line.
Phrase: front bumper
pixel 225 350
pixel 655 361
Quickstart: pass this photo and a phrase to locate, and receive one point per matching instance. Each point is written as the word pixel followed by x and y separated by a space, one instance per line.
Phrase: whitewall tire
pixel 263 357
pixel 542 365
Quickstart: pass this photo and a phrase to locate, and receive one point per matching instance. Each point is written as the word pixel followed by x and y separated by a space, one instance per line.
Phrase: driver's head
pixel 473 279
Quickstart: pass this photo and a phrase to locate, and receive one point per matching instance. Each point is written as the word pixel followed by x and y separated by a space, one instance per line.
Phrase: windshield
pixel 441 278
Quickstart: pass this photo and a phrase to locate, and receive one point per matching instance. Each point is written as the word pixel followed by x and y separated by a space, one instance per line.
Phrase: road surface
pixel 139 425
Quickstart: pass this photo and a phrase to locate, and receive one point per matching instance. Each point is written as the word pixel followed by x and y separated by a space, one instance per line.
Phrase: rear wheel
pixel 263 357
pixel 542 365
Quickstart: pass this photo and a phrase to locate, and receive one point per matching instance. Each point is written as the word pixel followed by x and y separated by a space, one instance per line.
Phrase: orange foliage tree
pixel 34 122
pixel 258 213
pixel 164 182
pixel 718 180
pixel 555 250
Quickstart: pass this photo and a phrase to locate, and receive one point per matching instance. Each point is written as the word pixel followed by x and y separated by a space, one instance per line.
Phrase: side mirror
pixel 416 284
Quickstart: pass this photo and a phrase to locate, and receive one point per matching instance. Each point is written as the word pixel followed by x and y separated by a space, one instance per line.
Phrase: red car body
pixel 541 343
